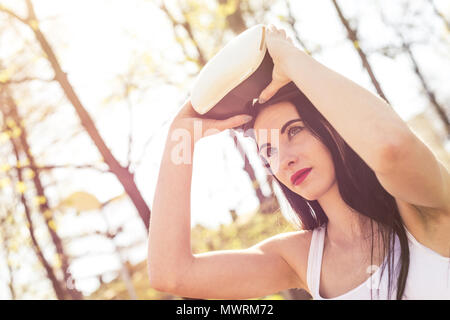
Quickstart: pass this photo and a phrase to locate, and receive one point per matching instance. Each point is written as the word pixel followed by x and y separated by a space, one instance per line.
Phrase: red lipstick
pixel 300 175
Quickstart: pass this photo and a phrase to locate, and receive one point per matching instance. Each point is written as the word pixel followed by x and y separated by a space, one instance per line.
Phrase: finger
pixel 271 28
pixel 278 30
pixel 269 91
pixel 232 122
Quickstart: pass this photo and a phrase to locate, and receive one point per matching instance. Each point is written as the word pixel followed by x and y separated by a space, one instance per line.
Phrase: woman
pixel 373 201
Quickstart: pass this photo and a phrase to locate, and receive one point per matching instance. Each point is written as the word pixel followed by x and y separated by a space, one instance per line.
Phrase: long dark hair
pixel 358 187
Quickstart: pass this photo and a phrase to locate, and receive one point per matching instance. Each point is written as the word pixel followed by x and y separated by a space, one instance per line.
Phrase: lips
pixel 300 175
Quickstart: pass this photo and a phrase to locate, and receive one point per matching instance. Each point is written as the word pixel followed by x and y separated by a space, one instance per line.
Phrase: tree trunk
pixel 43 205
pixel 5 234
pixel 440 110
pixel 352 35
pixel 125 177
pixel 61 294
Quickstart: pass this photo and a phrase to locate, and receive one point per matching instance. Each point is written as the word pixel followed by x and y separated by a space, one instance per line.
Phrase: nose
pixel 287 160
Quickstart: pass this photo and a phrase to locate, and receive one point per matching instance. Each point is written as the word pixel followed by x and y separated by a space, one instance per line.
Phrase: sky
pixel 96 41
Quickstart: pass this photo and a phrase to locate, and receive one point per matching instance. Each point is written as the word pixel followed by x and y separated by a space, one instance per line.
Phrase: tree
pixel 352 35
pixel 407 47
pixel 6 224
pixel 60 292
pixel 21 143
pixel 122 173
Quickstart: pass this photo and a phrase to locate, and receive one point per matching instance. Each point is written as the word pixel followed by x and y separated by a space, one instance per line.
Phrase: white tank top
pixel 428 276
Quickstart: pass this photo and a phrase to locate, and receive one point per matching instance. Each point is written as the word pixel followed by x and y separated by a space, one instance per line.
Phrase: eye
pixel 295 129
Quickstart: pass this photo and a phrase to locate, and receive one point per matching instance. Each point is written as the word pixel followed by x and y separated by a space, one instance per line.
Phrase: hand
pixel 278 45
pixel 187 117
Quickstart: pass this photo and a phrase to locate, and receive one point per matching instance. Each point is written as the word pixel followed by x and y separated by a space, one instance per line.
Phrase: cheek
pixel 319 157
pixel 318 152
pixel 326 162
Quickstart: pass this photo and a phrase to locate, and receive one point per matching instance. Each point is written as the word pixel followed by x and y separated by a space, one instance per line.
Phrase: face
pixel 288 146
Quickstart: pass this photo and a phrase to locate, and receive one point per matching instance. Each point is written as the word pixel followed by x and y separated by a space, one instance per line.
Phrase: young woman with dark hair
pixel 372 201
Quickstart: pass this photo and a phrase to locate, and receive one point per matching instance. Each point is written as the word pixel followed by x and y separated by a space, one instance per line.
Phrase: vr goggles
pixel 230 83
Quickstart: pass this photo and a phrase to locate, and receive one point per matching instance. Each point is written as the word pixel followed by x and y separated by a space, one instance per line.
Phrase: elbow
pixel 167 278
pixel 159 276
pixel 166 271
pixel 161 281
pixel 392 153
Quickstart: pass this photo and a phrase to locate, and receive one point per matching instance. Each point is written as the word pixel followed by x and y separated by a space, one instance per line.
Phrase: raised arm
pixel 404 165
pixel 254 272
pixel 242 274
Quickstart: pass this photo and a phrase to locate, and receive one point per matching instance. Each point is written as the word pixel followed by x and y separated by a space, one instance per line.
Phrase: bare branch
pixel 406 46
pixel 68 166
pixel 27 79
pixel 291 22
pixel 352 35
pixel 440 15
pixel 201 60
pixel 13 14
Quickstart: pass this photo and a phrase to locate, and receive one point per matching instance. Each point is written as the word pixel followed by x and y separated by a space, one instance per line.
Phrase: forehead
pixel 274 117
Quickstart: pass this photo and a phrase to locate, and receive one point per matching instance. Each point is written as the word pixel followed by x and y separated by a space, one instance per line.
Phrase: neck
pixel 345 225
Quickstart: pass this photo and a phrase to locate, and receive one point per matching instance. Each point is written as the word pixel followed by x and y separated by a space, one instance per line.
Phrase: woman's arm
pixel 365 121
pixel 169 242
pixel 405 166
pixel 173 268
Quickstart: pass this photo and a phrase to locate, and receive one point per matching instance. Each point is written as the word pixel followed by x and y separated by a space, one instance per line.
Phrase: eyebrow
pixel 283 128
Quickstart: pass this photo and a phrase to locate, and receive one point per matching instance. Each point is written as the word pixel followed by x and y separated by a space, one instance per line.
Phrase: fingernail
pixel 261 100
pixel 248 118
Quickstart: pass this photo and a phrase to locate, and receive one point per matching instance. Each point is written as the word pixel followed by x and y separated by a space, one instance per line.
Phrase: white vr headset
pixel 232 80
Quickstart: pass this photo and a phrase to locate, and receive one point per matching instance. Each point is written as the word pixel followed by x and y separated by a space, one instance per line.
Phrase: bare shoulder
pixel 296 241
pixel 294 248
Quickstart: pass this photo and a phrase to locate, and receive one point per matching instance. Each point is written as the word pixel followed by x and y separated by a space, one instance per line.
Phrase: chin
pixel 307 194
pixel 309 197
pixel 312 194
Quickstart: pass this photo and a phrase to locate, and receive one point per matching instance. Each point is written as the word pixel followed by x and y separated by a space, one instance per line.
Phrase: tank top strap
pixel 315 260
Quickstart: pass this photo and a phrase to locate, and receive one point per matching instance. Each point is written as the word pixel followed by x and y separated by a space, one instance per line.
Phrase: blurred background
pixel 88 89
